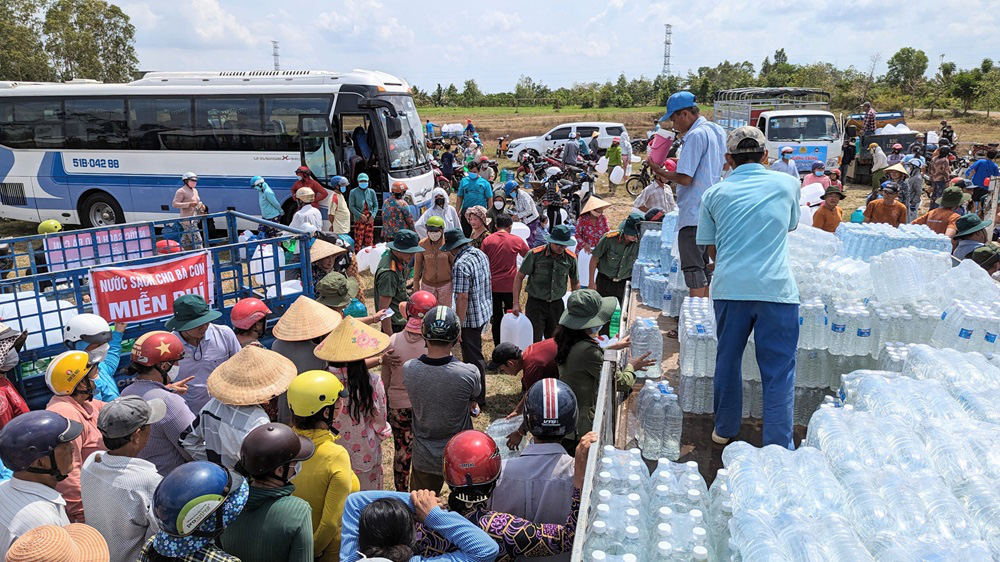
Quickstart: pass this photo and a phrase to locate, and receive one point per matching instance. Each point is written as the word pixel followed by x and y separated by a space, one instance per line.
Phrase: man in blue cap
pixel 698 168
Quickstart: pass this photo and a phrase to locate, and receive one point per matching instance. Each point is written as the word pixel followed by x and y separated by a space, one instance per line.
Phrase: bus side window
pixel 160 124
pixel 97 123
pixel 227 123
pixel 31 124
pixel 281 121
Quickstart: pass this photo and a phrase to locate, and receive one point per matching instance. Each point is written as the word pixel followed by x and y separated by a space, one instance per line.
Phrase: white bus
pixel 99 154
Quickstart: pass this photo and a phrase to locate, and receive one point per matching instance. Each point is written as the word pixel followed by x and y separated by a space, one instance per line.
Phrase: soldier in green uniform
pixel 613 258
pixel 549 269
pixel 390 278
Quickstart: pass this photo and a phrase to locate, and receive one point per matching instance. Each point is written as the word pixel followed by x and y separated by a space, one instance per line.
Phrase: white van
pixel 560 134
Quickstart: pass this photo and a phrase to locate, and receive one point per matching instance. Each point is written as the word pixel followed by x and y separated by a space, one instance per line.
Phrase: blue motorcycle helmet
pixel 256 180
pixel 510 186
pixel 194 504
pixel 34 435
pixel 550 409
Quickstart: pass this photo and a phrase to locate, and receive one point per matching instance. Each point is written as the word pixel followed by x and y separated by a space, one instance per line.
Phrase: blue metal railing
pixel 44 284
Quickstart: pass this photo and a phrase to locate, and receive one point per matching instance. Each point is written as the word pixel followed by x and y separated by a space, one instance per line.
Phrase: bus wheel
pixel 100 209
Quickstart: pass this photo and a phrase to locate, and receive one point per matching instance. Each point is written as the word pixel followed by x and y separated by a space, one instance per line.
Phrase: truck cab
pixel 813 135
pixel 795 117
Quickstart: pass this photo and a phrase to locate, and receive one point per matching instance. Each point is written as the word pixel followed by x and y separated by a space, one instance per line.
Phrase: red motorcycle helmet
pixel 419 304
pixel 398 187
pixel 168 247
pixel 471 464
pixel 302 170
pixel 248 312
pixel 153 348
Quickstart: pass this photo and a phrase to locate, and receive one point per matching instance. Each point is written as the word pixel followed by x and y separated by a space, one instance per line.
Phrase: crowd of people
pixel 218 448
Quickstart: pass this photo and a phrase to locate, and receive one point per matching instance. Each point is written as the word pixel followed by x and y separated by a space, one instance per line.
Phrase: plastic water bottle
pixel 633 543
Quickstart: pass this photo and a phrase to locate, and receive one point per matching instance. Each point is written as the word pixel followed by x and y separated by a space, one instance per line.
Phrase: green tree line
pixel 59 40
pixel 905 85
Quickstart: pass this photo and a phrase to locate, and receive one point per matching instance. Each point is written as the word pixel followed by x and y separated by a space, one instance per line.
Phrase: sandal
pixel 672 334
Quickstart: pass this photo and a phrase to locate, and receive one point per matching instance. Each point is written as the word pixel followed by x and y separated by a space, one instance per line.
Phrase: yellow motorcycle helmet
pixel 66 371
pixel 50 226
pixel 312 391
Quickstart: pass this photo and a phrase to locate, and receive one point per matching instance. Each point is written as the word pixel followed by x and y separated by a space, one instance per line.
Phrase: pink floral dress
pixel 589 229
pixel 363 439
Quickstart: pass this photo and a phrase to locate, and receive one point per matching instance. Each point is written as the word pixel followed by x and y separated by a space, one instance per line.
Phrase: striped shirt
pixel 220 429
pixel 163 448
pixel 25 505
pixel 471 275
pixel 118 500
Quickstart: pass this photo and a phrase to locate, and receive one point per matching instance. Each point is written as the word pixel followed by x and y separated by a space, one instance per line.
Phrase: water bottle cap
pixel 694 477
pixel 604 496
pixel 700 553
pixel 663 548
pixel 603 509
pixel 727 506
pixel 696 515
pixel 598 555
pixel 666 512
pixel 632 513
pixel 634 499
pixel 699 533
pixel 634 480
pixel 633 465
pixel 599 526
pixel 604 476
pixel 694 495
pixel 632 532
pixel 722 473
pixel 692 465
pixel 664 529
pixel 662 490
pixel 630 558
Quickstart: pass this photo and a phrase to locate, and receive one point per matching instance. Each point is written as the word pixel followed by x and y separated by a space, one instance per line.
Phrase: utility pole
pixel 666 49
pixel 277 65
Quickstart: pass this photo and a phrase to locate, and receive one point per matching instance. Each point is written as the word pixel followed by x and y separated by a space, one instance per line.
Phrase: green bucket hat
pixel 335 290
pixel 953 197
pixel 630 226
pixel 586 308
pixel 560 235
pixel 406 241
pixel 986 255
pixel 453 238
pixel 834 190
pixel 191 311
pixel 970 223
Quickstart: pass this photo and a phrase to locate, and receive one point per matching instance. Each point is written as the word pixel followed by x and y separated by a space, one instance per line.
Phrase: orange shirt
pixel 939 220
pixel 827 219
pixel 878 211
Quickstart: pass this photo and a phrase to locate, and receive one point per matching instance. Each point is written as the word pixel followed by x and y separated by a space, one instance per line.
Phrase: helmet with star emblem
pixel 157 347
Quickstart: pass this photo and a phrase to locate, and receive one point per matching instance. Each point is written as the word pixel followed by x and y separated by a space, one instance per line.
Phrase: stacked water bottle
pixel 968 326
pixel 862 241
pixel 656 271
pixel 698 343
pixel 500 429
pixel 660 421
pixel 637 517
pixel 645 337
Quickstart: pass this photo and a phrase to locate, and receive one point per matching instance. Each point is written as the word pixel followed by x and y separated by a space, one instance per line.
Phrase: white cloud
pixel 503 21
pixel 212 24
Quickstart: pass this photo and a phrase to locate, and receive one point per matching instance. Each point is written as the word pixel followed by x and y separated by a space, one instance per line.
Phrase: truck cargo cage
pixel 44 278
pixel 741 106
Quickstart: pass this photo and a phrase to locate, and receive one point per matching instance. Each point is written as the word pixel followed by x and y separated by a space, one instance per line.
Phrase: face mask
pixel 173 373
pixel 363 185
pixel 9 361
pixel 435 236
pixel 439 202
pixel 397 195
pixel 786 156
pixel 818 173
pixel 595 330
pixel 498 204
pixel 98 355
pixel 343 189
pixel 473 175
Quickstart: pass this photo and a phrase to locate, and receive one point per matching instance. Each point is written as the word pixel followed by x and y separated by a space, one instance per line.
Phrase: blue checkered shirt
pixel 471 274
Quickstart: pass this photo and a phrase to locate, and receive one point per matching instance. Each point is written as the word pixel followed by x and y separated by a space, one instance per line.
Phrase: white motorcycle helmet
pixel 189 176
pixel 87 329
pixel 552 171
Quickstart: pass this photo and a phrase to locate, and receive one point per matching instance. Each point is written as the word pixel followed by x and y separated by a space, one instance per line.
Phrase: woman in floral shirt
pixel 591 225
pixel 396 214
pixel 362 424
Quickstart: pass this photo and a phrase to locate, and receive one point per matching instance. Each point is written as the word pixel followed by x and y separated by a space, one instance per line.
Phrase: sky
pixel 557 43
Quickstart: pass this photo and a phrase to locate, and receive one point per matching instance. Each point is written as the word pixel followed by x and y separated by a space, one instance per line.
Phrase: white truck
pixel 795 117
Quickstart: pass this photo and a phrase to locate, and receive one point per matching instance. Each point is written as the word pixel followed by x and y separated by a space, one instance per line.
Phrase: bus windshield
pixel 410 149
pixel 802 128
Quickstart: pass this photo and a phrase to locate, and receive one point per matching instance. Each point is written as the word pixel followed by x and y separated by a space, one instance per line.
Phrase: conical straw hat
pixel 593 204
pixel 253 376
pixel 306 319
pixel 322 249
pixel 352 340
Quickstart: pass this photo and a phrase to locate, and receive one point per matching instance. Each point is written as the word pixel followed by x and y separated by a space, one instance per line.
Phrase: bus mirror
pixel 314 126
pixel 393 128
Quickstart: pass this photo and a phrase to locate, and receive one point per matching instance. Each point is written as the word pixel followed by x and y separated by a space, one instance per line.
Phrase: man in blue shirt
pixel 698 168
pixel 786 164
pixel 430 128
pixel 744 222
pixel 473 191
pixel 980 171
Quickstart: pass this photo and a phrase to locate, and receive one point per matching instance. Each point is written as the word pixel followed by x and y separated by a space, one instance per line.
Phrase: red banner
pixel 144 292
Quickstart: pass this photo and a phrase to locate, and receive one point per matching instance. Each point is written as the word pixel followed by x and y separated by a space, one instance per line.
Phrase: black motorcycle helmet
pixel 655 215
pixel 441 324
pixel 550 409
